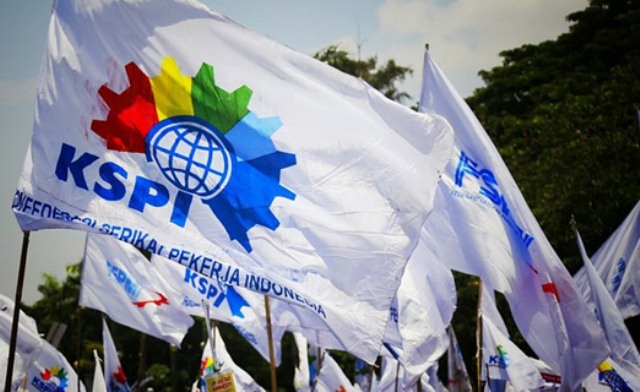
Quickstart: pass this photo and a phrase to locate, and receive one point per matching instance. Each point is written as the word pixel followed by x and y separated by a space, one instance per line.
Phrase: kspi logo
pixel 52 379
pixel 499 360
pixel 204 142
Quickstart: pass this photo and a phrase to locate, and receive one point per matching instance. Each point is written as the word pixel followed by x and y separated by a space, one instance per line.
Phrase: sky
pixel 465 36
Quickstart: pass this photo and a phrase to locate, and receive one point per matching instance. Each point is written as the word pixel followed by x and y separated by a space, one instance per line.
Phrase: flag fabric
pixel 115 378
pixel 618 264
pixel 241 159
pixel 456 369
pixel 503 362
pixel 363 373
pixel 225 365
pixel 419 316
pixel 239 307
pixel 51 371
pixel 28 342
pixel 481 225
pixel 623 349
pixel 98 377
pixel 119 281
pixel 330 376
pixel 611 377
pixel 435 383
pixel 301 375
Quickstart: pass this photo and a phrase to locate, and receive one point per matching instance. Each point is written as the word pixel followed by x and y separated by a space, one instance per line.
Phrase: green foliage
pixel 383 78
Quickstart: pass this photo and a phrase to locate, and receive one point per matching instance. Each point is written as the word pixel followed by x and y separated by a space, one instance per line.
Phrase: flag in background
pixel 50 371
pixel 98 377
pixel 239 307
pixel 481 225
pixel 28 342
pixel 501 358
pixel 242 379
pixel 115 379
pixel 242 159
pixel 330 376
pixel 618 264
pixel 119 281
pixel 422 310
pixel 456 369
pixel 301 375
pixel 623 349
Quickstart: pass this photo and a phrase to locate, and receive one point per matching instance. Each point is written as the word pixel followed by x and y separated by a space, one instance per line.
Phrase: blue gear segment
pixel 236 302
pixel 246 199
pixel 251 136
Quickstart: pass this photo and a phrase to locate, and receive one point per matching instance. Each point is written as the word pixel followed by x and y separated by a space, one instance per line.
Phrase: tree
pixel 383 78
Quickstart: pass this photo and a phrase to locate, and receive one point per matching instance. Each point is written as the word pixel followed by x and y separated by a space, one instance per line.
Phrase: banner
pixel 119 281
pixel 115 378
pixel 618 264
pixel 241 159
pixel 481 225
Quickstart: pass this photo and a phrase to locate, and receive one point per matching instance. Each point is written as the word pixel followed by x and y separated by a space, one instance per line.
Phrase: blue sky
pixel 465 36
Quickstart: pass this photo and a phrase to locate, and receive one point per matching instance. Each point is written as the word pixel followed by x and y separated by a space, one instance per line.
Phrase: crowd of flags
pixel 347 210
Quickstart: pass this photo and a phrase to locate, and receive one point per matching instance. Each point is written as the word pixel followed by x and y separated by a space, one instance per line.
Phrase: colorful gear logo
pixel 56 372
pixel 204 140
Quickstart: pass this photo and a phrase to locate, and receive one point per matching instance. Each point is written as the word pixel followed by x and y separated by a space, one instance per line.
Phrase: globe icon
pixel 191 154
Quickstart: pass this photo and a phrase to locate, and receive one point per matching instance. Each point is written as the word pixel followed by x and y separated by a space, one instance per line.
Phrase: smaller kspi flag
pixel 114 375
pixel 52 372
pixel 120 282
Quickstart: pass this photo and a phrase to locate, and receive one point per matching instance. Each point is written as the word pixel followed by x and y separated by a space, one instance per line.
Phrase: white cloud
pixel 467 35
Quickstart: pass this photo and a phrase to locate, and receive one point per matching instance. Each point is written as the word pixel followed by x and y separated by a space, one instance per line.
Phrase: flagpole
pixel 16 311
pixel 479 337
pixel 272 360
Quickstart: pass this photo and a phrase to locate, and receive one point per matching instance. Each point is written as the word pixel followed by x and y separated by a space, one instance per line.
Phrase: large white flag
pixel 482 226
pixel 623 350
pixel 119 281
pixel 239 307
pixel 51 371
pixel 115 377
pixel 501 358
pixel 618 264
pixel 417 328
pixel 28 342
pixel 239 158
pixel 223 365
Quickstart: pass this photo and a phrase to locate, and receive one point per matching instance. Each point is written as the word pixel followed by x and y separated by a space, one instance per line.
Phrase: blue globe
pixel 191 154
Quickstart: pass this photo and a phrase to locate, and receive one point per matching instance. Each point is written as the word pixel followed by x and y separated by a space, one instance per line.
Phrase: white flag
pixel 301 376
pixel 225 365
pixel 623 349
pixel 420 314
pixel 28 342
pixel 618 264
pixel 114 375
pixel 609 376
pixel 456 369
pixel 51 371
pixel 239 307
pixel 481 225
pixel 119 281
pixel 241 159
pixel 99 384
pixel 330 377
pixel 501 358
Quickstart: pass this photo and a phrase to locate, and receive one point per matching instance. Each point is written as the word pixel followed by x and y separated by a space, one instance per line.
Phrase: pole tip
pixel 426 46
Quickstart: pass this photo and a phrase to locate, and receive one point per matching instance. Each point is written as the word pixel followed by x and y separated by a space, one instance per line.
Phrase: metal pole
pixel 479 337
pixel 272 360
pixel 16 311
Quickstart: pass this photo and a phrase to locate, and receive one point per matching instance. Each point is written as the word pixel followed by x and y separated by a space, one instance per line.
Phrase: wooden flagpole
pixel 16 311
pixel 272 358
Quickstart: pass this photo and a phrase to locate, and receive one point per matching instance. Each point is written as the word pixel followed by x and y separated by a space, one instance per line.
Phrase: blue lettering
pixel 67 165
pixel 147 192
pixel 116 189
